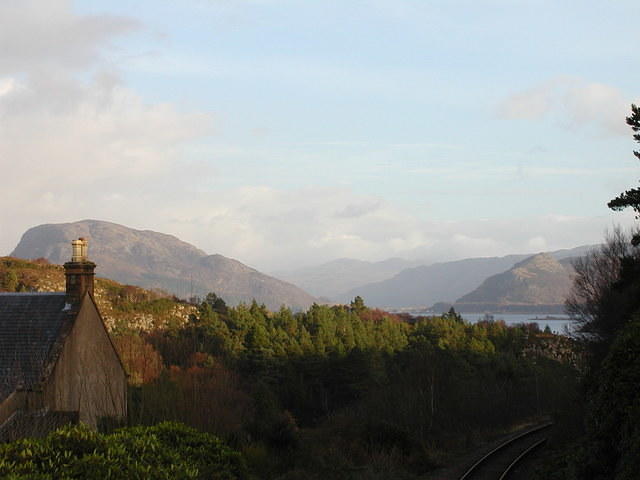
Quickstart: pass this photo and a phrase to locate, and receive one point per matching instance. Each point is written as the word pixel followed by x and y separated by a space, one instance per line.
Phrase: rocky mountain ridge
pixel 538 282
pixel 426 285
pixel 157 260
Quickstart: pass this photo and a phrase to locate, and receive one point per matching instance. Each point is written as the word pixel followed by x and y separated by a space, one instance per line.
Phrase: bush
pixel 168 451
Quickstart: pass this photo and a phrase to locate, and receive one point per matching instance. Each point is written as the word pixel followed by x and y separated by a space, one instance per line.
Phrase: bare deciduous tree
pixel 604 294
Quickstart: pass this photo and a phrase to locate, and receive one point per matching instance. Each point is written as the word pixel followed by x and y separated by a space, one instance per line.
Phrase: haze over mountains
pixel 441 282
pixel 333 278
pixel 156 260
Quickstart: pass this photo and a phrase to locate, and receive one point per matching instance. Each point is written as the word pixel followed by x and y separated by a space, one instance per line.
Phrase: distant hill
pixel 332 278
pixel 428 284
pixel 156 260
pixel 539 282
pixel 441 282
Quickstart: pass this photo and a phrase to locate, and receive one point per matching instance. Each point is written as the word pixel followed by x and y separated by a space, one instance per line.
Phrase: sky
pixel 286 133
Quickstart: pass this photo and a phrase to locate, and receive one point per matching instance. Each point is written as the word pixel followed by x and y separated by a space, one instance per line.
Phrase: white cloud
pixel 502 236
pixel 530 104
pixel 281 228
pixel 538 243
pixel 7 85
pixel 599 104
pixel 576 102
pixel 76 142
pixel 45 35
pixel 355 210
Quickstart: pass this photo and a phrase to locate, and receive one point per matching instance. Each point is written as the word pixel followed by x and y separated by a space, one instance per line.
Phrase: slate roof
pixel 31 325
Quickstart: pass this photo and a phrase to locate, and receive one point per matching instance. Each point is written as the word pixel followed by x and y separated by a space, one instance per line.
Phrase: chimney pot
pixel 76 251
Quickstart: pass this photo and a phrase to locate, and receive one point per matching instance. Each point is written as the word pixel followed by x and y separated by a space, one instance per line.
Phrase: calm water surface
pixel 558 323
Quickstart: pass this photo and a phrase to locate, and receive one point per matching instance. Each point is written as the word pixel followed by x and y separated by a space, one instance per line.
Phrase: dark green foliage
pixel 129 298
pixel 166 451
pixel 15 275
pixel 631 197
pixel 10 280
pixel 357 305
pixel 253 334
pixel 610 446
pixel 612 450
pixel 347 391
pixel 216 303
pixel 453 315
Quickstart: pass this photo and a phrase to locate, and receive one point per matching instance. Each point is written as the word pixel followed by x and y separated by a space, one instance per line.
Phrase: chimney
pixel 79 272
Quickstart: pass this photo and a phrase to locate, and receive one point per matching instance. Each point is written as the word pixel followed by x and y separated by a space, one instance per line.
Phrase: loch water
pixel 558 323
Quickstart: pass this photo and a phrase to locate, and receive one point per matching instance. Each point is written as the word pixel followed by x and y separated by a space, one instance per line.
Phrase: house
pixel 57 361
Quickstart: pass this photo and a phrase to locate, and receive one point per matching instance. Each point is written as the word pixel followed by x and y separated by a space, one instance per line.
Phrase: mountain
pixel 428 284
pixel 156 260
pixel 441 282
pixel 539 282
pixel 332 278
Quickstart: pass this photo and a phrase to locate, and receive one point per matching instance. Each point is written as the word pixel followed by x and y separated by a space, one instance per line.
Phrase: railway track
pixel 501 462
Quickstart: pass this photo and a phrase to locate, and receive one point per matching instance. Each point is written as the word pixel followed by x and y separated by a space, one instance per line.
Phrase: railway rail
pixel 500 463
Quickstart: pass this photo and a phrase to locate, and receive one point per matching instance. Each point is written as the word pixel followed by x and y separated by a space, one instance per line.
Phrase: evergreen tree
pixel 217 304
pixel 631 198
pixel 10 281
pixel 357 305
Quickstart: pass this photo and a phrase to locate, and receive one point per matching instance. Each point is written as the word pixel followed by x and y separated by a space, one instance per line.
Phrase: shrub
pixel 168 451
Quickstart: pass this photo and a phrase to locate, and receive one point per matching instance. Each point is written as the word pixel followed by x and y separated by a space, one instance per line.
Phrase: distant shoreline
pixel 537 314
pixel 497 309
pixel 549 318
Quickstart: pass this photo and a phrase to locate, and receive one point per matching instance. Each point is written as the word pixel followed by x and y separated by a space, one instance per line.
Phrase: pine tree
pixel 10 281
pixel 631 198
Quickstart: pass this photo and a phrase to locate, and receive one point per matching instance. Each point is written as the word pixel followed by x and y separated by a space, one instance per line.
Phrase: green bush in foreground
pixel 165 451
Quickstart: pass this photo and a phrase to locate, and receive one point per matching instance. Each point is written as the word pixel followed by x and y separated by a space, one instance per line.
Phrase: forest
pixel 345 391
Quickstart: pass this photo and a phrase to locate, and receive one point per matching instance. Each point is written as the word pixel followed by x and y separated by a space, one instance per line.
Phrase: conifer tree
pixel 631 197
pixel 10 281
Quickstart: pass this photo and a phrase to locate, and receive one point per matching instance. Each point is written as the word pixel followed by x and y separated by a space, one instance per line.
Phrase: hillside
pixel 538 282
pixel 428 284
pixel 333 278
pixel 441 282
pixel 123 307
pixel 156 260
